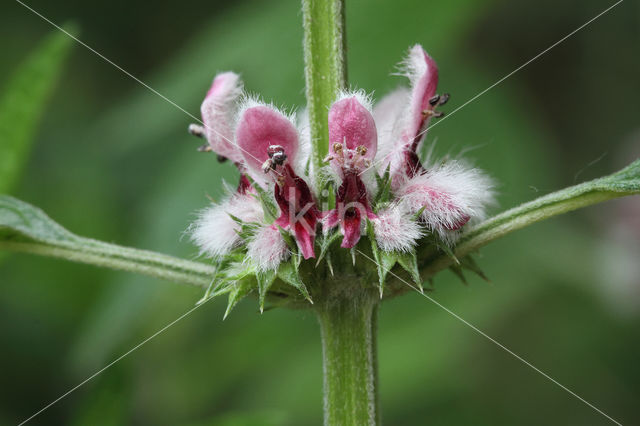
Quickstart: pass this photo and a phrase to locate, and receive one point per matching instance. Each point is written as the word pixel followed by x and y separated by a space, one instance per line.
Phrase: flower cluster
pixel 374 183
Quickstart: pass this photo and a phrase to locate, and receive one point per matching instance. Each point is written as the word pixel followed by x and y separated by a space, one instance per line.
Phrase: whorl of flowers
pixel 375 184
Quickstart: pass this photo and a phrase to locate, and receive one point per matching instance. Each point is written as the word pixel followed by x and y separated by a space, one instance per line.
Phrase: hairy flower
pixel 448 195
pixel 353 142
pixel 382 189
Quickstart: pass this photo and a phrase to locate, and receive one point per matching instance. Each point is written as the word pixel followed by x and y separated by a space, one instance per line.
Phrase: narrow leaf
pixel 23 102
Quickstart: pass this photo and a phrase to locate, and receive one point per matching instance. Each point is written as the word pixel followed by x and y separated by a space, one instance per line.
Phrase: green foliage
pixel 23 101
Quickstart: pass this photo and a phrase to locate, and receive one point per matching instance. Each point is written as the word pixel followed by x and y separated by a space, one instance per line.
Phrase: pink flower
pixel 263 143
pixel 272 149
pixel 450 194
pixel 353 142
pixel 269 142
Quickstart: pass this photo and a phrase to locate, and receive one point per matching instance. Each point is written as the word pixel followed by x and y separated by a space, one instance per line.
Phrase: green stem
pixel 121 258
pixel 325 67
pixel 348 327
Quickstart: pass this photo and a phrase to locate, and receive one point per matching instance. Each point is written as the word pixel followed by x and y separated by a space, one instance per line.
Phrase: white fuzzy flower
pixel 396 230
pixel 215 232
pixel 452 194
pixel 267 248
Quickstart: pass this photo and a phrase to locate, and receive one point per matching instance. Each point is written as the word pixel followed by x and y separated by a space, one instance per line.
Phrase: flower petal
pixel 350 227
pixel 351 124
pixel 258 128
pixel 218 110
pixel 423 73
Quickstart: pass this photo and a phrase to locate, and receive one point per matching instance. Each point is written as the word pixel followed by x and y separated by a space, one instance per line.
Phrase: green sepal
pixel 265 281
pixel 468 262
pixel 384 188
pixel 247 229
pixel 409 262
pixel 238 291
pixel 288 272
pixel 325 242
pixel 457 270
pixel 384 260
pixel 288 239
pixel 269 208
pixel 441 245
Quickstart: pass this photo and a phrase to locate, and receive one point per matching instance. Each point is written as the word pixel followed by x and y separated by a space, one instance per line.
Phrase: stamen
pixel 196 130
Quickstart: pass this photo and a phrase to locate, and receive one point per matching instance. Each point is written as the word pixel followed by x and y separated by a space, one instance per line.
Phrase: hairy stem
pixel 348 327
pixel 325 67
pixel 121 258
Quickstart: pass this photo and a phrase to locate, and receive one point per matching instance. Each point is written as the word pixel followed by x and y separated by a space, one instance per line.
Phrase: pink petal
pixel 352 124
pixel 258 128
pixel 330 219
pixel 217 112
pixel 350 226
pixel 423 73
pixel 305 240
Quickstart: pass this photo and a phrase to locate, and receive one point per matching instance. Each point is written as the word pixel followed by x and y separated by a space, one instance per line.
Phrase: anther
pixel 196 130
pixel 362 150
pixel 205 148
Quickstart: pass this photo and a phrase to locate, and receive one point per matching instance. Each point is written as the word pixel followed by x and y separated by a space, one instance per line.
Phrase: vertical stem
pixel 348 327
pixel 325 67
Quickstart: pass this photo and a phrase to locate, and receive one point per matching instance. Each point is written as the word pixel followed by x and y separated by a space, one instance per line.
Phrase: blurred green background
pixel 113 161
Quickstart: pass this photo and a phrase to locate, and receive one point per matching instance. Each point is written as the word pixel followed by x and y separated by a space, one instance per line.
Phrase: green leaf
pixel 265 281
pixel 288 272
pixel 25 228
pixel 23 102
